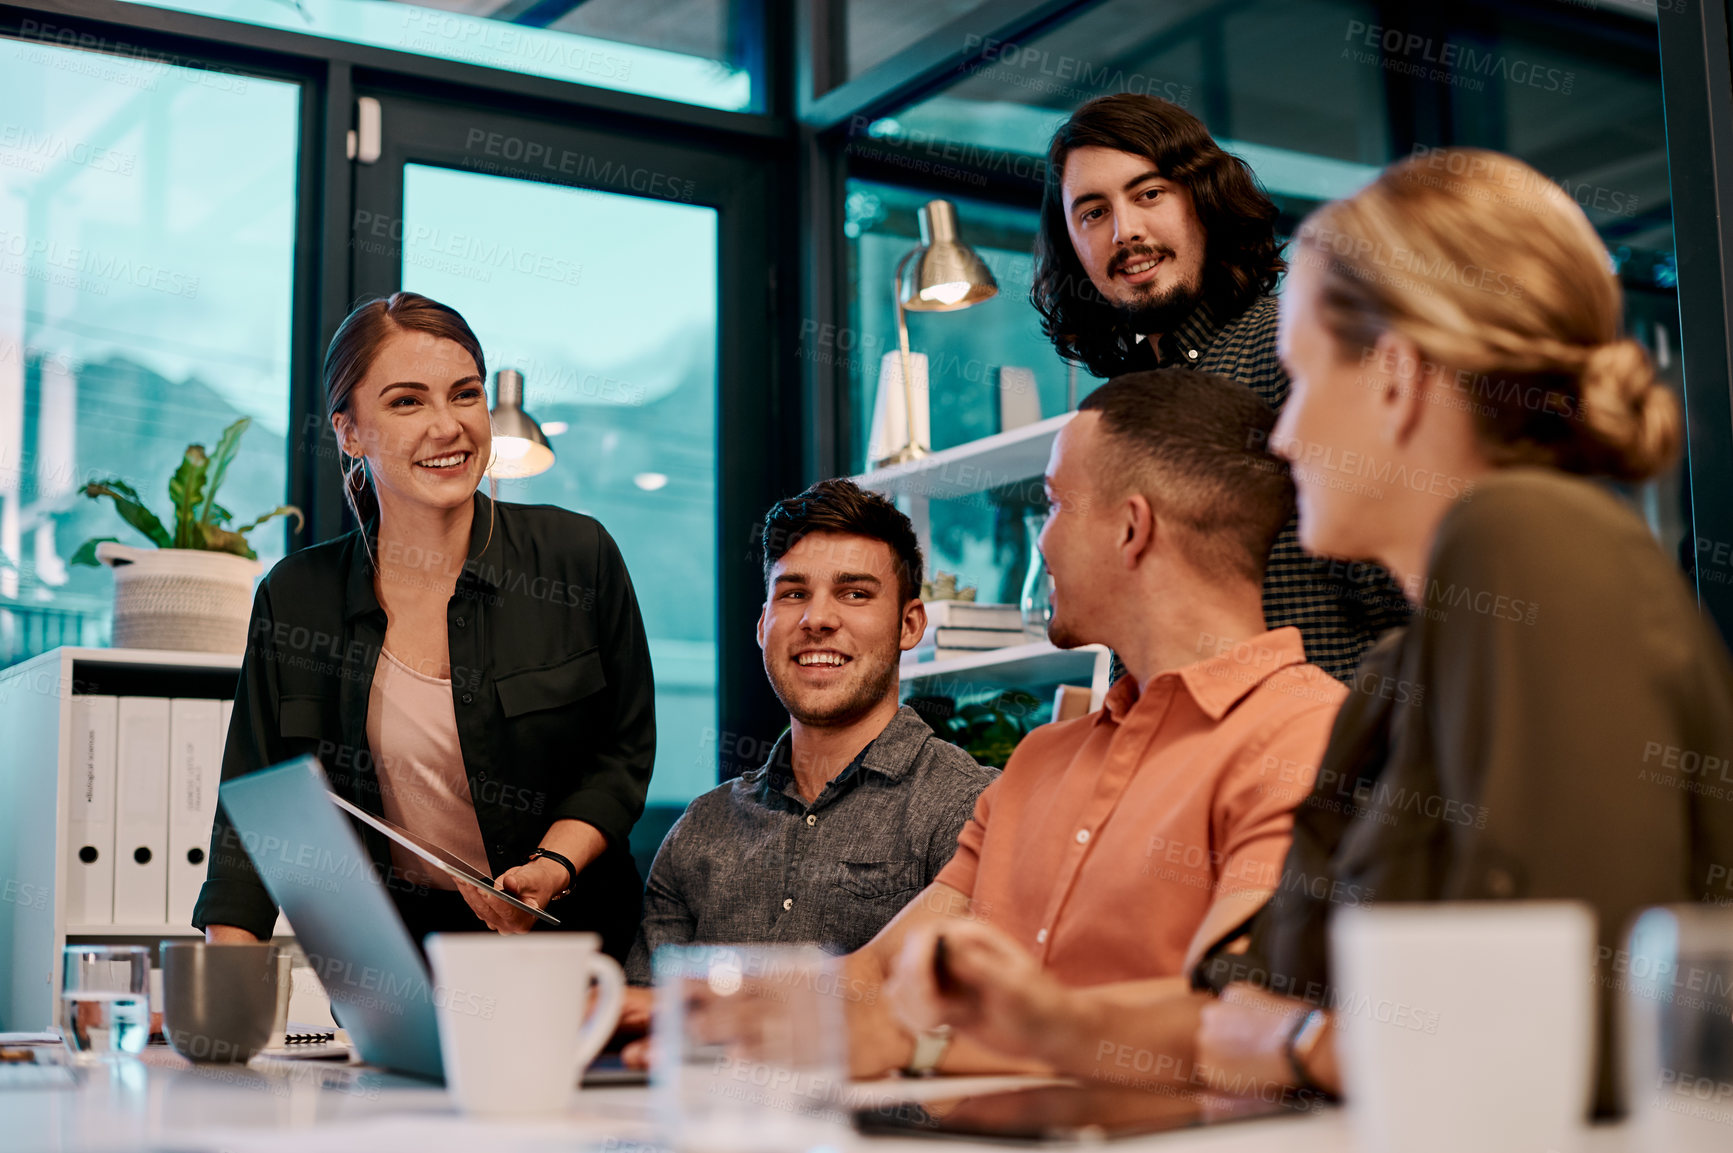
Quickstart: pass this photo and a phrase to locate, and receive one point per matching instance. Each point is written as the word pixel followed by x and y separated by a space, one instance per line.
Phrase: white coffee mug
pixel 1465 1026
pixel 511 1010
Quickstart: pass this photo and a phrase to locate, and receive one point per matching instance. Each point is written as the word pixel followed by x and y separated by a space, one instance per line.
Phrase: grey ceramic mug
pixel 219 1001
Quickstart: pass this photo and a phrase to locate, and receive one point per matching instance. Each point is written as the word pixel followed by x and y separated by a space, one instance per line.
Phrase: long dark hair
pixel 1242 259
pixel 351 354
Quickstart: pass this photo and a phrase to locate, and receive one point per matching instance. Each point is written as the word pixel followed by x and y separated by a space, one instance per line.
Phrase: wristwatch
pixel 929 1051
pixel 1302 1041
pixel 571 873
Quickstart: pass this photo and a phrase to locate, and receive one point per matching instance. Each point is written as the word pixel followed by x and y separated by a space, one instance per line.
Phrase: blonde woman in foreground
pixel 1460 384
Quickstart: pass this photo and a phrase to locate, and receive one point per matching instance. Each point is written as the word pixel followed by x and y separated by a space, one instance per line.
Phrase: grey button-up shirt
pixel 750 862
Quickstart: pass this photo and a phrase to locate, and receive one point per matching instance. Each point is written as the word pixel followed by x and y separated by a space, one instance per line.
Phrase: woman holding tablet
pixel 473 671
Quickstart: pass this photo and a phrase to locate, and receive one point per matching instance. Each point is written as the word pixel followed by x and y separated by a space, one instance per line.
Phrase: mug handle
pixel 606 972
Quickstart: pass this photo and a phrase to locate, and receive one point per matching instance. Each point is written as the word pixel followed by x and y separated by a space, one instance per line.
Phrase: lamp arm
pixel 912 449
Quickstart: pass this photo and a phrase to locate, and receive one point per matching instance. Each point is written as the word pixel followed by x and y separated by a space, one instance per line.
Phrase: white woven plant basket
pixel 180 598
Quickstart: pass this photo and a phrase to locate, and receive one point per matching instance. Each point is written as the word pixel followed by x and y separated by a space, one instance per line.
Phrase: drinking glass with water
pixel 749 1048
pixel 105 1001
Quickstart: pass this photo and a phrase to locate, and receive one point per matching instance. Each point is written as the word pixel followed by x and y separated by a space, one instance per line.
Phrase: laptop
pixel 315 867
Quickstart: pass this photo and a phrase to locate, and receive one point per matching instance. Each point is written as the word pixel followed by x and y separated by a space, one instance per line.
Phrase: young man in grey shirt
pixel 859 803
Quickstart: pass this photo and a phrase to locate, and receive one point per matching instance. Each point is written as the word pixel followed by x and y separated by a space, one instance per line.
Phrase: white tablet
pixel 448 863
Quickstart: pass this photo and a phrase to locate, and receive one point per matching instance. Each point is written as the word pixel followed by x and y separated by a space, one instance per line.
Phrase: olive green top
pixel 1556 723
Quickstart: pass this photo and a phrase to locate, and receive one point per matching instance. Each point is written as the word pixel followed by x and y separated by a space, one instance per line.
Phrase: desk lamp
pixel 942 275
pixel 520 448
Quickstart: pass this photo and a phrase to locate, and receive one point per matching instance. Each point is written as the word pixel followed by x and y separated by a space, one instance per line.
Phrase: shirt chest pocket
pixel 866 895
pixel 301 718
pixel 536 690
pixel 873 880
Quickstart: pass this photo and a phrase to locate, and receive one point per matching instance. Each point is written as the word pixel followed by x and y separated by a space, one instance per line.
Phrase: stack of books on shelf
pixel 961 628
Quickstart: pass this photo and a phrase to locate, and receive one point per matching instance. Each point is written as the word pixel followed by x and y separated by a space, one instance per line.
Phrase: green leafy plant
pixel 198 519
pixel 989 732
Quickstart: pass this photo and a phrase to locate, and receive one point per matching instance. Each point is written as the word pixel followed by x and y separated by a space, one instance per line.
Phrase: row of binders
pixel 143 795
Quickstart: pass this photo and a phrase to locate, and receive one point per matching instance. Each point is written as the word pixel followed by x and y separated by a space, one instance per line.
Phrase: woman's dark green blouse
pixel 550 680
pixel 1555 724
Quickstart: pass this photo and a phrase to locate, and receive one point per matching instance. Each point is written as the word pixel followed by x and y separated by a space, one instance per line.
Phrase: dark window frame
pixel 1696 80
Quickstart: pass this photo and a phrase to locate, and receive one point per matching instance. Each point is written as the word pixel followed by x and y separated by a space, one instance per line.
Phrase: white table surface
pixel 161 1103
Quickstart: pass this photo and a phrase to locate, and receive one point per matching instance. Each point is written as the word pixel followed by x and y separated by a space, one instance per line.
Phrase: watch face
pixel 929 1048
pixel 1306 1037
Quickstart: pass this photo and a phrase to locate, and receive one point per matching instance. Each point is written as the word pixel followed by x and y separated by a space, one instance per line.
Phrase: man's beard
pixel 1158 313
pixel 872 688
pixel 1153 312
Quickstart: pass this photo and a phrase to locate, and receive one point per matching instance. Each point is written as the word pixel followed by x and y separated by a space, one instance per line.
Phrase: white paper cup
pixel 1465 1027
pixel 511 1010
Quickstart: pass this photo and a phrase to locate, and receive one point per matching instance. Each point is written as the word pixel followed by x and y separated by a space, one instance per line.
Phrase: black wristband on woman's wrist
pixel 571 870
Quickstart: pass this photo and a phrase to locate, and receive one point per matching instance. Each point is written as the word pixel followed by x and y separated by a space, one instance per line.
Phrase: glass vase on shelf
pixel 1037 599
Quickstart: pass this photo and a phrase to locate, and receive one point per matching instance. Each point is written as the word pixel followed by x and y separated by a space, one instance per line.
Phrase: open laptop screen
pixel 315 867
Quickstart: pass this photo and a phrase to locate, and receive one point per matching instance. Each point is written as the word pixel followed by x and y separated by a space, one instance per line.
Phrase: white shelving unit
pixel 35 775
pixel 1035 663
pixel 1003 458
pixel 958 473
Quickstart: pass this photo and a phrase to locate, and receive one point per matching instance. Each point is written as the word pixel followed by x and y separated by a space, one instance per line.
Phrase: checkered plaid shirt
pixel 1339 608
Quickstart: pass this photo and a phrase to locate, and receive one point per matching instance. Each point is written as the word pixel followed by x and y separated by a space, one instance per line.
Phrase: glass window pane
pixel 1268 78
pixel 876 30
pixel 990 353
pixel 968 352
pixel 577 290
pixel 147 226
pixel 684 50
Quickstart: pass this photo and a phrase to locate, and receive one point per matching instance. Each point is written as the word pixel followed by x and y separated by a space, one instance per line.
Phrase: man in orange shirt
pixel 1121 845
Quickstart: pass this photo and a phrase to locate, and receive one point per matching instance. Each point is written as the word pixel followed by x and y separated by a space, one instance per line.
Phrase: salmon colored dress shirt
pixel 1108 838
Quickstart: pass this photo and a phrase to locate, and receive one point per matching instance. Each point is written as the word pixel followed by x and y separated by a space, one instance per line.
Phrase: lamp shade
pixel 520 448
pixel 944 274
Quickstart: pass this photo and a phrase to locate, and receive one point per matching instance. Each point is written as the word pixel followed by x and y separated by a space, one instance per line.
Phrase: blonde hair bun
pixel 1488 267
pixel 1635 418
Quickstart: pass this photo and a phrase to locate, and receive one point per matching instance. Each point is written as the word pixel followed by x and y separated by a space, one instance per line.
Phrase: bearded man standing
pixel 1158 249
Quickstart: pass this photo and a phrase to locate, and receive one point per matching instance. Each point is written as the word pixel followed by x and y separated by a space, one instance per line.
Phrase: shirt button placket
pixel 790 875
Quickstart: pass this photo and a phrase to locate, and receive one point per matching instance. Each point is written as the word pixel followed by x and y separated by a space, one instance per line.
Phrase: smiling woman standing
pixel 474 671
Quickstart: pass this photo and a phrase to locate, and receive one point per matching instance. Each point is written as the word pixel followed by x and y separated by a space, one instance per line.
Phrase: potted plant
pixel 193 591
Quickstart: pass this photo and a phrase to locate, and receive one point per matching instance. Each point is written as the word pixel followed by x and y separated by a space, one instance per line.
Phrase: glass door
pixel 628 282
